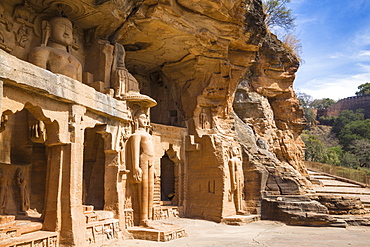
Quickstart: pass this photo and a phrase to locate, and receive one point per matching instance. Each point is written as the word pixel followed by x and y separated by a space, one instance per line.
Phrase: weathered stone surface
pixel 342 204
pixel 220 88
pixel 298 211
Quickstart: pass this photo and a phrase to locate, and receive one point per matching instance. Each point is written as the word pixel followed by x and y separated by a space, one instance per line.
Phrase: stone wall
pixel 350 103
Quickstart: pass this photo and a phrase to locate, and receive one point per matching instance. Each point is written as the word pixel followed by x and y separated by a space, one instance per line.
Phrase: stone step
pixel 238 220
pixel 355 220
pixel 314 173
pixel 158 231
pixel 336 183
pixel 364 198
pixel 342 190
pixel 322 177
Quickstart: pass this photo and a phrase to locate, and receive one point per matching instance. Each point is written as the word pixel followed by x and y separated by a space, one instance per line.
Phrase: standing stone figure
pixel 3 191
pixel 123 82
pixel 203 119
pixel 120 74
pixel 53 54
pixel 236 178
pixel 141 151
pixel 21 183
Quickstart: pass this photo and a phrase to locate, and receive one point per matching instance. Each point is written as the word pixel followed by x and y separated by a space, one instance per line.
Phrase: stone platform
pixel 38 238
pixel 25 231
pixel 158 231
pixel 239 220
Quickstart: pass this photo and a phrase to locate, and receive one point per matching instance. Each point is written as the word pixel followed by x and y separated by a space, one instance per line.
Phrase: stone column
pixel 73 225
pixel 1 95
pixel 113 190
pixel 52 211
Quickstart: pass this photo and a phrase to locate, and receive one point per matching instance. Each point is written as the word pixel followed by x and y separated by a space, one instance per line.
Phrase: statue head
pixel 235 151
pixel 141 119
pixel 61 31
pixel 18 172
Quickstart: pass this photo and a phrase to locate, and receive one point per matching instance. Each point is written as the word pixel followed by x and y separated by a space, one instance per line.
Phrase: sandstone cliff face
pixel 270 111
pixel 193 57
pixel 214 69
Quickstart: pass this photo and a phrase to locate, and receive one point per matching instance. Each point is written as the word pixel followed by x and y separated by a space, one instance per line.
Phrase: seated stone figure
pixel 53 53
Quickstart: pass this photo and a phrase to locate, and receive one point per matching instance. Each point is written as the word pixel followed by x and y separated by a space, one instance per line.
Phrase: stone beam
pixel 18 73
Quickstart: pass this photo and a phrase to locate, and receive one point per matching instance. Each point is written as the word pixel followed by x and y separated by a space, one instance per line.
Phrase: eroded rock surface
pixel 227 120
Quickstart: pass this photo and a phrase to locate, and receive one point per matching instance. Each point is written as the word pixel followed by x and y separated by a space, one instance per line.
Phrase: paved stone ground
pixel 270 233
pixel 257 234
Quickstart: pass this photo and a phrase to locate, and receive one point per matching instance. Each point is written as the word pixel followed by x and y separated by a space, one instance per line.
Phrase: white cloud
pixel 337 87
pixel 337 55
pixel 364 53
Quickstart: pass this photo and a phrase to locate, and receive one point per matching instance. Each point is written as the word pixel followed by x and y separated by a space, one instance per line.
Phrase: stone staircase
pixel 330 184
pixel 334 186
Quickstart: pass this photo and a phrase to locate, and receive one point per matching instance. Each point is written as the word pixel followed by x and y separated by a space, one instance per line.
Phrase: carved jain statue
pixel 236 178
pixel 53 54
pixel 140 154
pixel 123 81
pixel 24 197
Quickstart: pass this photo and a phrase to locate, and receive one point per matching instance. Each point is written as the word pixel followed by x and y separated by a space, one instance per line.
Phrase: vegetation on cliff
pixel 363 89
pixel 278 14
pixel 346 142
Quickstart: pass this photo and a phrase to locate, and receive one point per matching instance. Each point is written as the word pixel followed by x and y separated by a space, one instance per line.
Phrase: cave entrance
pixel 23 165
pixel 93 169
pixel 167 179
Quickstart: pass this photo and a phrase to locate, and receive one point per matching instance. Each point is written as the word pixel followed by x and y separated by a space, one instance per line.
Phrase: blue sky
pixel 335 38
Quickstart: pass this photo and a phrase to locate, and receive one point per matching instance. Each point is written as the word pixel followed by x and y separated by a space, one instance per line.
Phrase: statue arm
pixel 135 154
pixel 39 57
pixel 232 174
pixel 79 73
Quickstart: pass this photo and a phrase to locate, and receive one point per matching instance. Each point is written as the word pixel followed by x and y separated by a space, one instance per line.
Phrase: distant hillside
pixel 323 133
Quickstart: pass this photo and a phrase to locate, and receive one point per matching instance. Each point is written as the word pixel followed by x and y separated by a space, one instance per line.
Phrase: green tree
pixel 346 117
pixel 354 130
pixel 333 156
pixel 310 116
pixel 315 149
pixel 322 103
pixel 361 149
pixel 305 99
pixel 278 15
pixel 363 89
pixel 350 160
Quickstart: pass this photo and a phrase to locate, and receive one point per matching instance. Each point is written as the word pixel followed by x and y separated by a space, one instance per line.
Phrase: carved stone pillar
pixel 1 96
pixel 113 188
pixel 73 225
pixel 52 211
